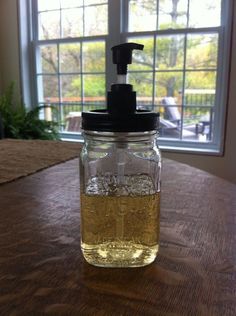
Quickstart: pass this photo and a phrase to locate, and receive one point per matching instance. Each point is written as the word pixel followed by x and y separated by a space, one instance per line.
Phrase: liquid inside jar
pixel 120 221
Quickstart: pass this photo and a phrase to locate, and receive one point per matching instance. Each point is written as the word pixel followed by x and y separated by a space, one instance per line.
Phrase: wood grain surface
pixel 42 271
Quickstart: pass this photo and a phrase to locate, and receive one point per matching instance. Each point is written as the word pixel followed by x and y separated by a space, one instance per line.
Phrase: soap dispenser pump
pixel 120 167
pixel 121 100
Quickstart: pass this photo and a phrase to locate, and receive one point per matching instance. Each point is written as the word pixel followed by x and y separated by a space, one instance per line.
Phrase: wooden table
pixel 42 271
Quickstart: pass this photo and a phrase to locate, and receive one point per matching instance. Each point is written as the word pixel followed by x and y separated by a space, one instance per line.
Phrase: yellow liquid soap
pixel 120 230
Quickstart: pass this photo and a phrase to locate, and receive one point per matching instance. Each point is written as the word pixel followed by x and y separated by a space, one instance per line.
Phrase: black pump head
pixel 122 56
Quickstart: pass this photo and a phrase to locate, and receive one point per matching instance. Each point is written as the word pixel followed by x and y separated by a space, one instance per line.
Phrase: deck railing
pixel 195 107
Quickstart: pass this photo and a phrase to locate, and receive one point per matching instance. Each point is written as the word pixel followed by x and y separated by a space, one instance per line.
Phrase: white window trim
pixel 117 31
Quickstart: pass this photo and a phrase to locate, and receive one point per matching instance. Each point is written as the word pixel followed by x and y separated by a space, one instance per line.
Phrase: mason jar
pixel 120 198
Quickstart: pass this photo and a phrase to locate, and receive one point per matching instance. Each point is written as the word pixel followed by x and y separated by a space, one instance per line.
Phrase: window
pixel 70 38
pixel 182 72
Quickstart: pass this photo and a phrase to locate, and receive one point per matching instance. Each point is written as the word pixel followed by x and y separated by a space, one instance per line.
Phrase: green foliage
pixel 88 58
pixel 94 86
pixel 94 57
pixel 22 124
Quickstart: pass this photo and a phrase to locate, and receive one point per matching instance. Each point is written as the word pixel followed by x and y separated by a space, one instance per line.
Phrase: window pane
pixel 94 57
pixel 71 88
pixel 48 89
pixel 204 13
pixel 199 121
pixel 48 61
pixel 49 25
pixel 170 125
pixel 199 97
pixel 94 88
pixel 200 80
pixel 96 20
pixel 72 107
pixel 170 52
pixel 172 14
pixel 142 60
pixel 202 51
pixel 72 117
pixel 168 84
pixel 71 3
pixel 72 22
pixel 70 57
pixel 143 85
pixel 94 92
pixel 45 5
pixel 142 15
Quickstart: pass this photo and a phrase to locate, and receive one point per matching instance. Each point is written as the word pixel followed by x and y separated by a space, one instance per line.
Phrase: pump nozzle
pixel 122 56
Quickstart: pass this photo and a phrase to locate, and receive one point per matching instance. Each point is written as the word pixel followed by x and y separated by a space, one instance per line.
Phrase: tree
pixel 169 53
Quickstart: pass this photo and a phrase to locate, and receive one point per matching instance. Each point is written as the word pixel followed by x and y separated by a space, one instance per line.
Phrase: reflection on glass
pixel 142 60
pixel 168 84
pixel 44 5
pixel 93 56
pixel 70 57
pixel 204 13
pixel 202 51
pixel 170 52
pixel 48 59
pixel 49 89
pixel 172 14
pixel 96 20
pixel 142 83
pixel 142 15
pixel 198 121
pixel 49 25
pixel 71 88
pixel 72 22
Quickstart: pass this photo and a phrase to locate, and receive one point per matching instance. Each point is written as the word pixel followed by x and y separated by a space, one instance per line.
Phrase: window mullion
pixel 188 13
pixel 113 38
pixel 124 16
pixel 70 40
pixel 38 79
pixel 183 87
pixel 81 77
pixel 83 19
pixel 154 71
pixel 157 8
pixel 59 83
pixel 203 30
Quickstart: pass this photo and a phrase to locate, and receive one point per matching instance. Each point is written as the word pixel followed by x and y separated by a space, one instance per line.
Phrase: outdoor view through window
pixel 177 74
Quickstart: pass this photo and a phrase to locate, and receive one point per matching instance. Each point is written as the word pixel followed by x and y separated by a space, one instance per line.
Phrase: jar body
pixel 120 198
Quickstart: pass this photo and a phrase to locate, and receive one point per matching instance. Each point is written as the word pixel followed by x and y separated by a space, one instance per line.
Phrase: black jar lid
pixel 101 120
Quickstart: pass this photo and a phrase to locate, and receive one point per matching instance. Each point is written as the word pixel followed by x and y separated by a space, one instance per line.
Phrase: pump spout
pixel 122 56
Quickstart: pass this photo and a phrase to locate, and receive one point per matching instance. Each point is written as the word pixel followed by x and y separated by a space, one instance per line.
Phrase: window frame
pixel 117 33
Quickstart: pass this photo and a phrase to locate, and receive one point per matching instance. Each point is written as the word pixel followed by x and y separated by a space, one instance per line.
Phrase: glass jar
pixel 120 198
